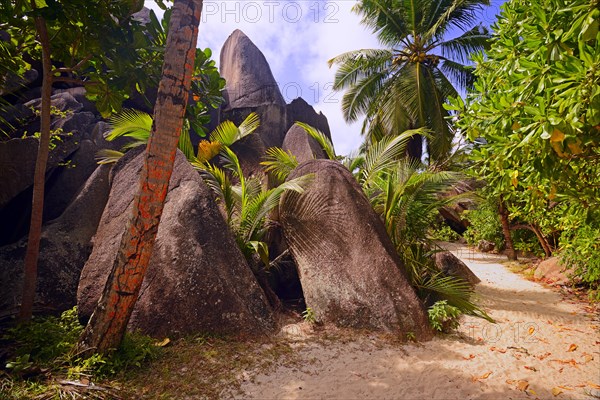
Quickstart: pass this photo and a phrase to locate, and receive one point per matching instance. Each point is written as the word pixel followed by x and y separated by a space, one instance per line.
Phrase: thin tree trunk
pixel 542 239
pixel 510 247
pixel 108 323
pixel 39 179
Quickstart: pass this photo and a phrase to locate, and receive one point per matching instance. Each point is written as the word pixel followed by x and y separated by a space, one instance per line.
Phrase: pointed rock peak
pixel 250 82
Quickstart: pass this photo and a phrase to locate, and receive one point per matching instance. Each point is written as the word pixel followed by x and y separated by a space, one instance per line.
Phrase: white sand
pixel 524 356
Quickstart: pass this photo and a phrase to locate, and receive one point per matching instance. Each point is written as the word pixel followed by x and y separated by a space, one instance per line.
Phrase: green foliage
pixel 534 115
pixel 443 232
pixel 581 251
pixel 48 342
pixel 405 85
pixel 279 163
pixel 443 317
pixel 247 203
pixel 525 241
pixel 321 138
pixel 105 49
pixel 484 224
pixel 309 315
pixel 46 339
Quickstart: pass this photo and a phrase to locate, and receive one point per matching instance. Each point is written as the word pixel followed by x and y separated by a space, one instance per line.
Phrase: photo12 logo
pixel 270 11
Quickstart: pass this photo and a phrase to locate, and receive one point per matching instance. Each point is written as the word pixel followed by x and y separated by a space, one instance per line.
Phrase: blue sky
pixel 298 37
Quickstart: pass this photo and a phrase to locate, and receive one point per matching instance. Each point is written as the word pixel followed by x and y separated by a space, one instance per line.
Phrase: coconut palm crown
pixel 405 85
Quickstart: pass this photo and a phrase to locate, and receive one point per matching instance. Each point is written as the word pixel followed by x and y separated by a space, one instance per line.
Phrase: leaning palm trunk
pixel 108 323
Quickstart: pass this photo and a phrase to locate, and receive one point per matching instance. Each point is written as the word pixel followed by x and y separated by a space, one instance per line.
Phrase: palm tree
pixel 405 85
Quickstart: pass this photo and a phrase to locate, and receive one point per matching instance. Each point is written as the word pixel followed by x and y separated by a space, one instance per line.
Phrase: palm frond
pixel 185 144
pixel 227 133
pixel 457 292
pixel 321 138
pixel 107 156
pixel 462 47
pixel 131 123
pixel 383 154
pixel 279 162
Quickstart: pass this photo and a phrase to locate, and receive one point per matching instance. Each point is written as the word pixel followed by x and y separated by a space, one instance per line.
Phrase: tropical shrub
pixel 47 342
pixel 443 317
pixel 581 251
pixel 534 114
pixel 484 224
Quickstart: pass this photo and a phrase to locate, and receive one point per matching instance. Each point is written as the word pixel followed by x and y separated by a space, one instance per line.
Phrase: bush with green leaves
pixel 581 251
pixel 47 342
pixel 534 113
pixel 484 224
pixel 443 317
pixel 441 231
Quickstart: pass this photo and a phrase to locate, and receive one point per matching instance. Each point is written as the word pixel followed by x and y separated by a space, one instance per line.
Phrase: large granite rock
pixel 349 270
pixel 552 271
pixel 250 82
pixel 450 265
pixel 197 279
pixel 64 248
pixel 302 145
pixel 71 162
pixel 300 110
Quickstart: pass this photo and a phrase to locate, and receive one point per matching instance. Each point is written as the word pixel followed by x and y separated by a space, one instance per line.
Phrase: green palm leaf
pixel 321 138
pixel 279 162
pixel 227 133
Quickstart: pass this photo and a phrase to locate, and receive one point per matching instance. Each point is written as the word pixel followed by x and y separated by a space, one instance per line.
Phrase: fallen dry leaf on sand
pixel 570 362
pixel 565 387
pixel 484 376
pixel 493 348
pixel 534 369
pixel 544 356
pixel 471 356
pixel 572 347
pixel 593 385
pixel 522 385
pixel 587 358
pixel 556 391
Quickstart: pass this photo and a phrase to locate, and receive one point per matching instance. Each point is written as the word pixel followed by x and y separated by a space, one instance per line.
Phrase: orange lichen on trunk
pixel 108 323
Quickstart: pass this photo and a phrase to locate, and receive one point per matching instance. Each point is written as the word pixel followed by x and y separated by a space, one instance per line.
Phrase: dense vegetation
pixel 533 119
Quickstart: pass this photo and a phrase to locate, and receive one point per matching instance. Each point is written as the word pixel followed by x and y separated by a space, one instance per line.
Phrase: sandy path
pixel 524 356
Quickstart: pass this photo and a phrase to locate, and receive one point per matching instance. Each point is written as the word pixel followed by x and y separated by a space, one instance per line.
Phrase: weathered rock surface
pixel 250 82
pixel 65 246
pixel 329 229
pixel 300 110
pixel 197 279
pixel 450 265
pixel 485 246
pixel 302 145
pixel 552 271
pixel 17 163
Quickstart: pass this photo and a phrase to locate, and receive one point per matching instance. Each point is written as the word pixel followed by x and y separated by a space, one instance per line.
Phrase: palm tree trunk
pixel 108 323
pixel 39 179
pixel 510 247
